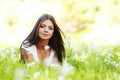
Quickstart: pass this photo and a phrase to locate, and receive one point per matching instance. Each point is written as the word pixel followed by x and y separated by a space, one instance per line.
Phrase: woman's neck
pixel 41 45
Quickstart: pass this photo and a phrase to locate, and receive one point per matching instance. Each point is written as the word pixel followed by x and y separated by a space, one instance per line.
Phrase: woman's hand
pixel 28 57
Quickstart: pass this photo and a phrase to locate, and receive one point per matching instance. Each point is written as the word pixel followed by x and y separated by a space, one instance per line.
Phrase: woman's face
pixel 46 30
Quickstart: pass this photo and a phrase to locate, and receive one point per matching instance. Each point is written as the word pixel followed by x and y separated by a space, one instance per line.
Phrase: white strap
pixel 48 61
pixel 52 55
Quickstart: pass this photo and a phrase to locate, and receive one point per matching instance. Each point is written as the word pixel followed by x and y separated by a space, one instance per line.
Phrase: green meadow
pixel 92 41
pixel 89 63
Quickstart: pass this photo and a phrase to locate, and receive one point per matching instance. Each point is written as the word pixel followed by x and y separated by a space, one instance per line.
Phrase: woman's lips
pixel 45 35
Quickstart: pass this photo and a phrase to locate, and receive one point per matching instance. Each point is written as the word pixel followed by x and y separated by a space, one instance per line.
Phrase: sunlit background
pixel 92 41
pixel 83 21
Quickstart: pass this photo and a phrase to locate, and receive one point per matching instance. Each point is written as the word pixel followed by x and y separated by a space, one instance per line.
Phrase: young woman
pixel 44 44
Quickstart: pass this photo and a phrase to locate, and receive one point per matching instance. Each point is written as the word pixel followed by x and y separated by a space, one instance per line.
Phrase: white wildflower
pixel 118 64
pixel 36 74
pixel 7 51
pixel 31 64
pixel 13 50
pixel 83 56
pixel 66 68
pixel 60 78
pixel 109 56
pixel 47 47
pixel 103 53
pixel 19 74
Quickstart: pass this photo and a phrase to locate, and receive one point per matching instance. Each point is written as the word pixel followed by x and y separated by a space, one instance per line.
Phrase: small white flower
pixel 46 47
pixel 118 64
pixel 31 64
pixel 0 50
pixel 103 53
pixel 109 55
pixel 36 74
pixel 7 51
pixel 60 78
pixel 76 56
pixel 13 50
pixel 83 56
pixel 19 74
pixel 66 68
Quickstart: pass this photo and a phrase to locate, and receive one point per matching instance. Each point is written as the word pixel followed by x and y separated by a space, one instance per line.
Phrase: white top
pixel 33 50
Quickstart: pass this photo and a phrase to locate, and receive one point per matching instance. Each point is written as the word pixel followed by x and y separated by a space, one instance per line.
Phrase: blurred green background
pixel 82 21
pixel 92 41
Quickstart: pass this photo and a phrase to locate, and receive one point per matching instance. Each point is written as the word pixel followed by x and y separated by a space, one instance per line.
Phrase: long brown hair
pixel 55 42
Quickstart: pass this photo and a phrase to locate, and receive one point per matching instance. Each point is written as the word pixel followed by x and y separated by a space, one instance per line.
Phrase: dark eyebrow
pixel 48 26
pixel 43 24
pixel 51 26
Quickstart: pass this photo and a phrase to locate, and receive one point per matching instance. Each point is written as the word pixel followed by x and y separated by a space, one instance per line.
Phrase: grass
pixel 89 63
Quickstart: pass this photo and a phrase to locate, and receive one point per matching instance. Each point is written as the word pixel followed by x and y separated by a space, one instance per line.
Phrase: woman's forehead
pixel 47 21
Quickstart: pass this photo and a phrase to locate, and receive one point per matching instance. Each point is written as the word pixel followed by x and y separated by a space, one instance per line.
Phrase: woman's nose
pixel 46 29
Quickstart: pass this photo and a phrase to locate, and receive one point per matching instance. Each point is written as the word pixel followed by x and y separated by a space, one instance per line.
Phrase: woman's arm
pixel 28 57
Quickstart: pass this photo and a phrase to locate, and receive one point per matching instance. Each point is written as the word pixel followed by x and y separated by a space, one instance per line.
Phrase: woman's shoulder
pixel 30 48
pixel 26 44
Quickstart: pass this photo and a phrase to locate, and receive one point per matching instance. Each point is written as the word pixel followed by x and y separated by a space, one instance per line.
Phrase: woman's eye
pixel 42 26
pixel 51 28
